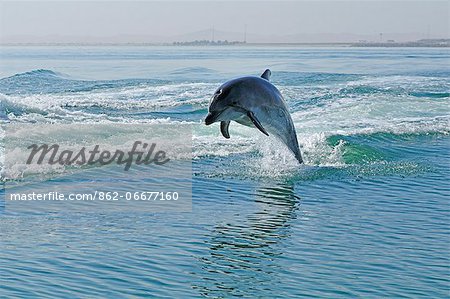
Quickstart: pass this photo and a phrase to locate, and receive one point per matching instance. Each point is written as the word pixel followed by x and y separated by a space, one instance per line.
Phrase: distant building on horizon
pixel 208 43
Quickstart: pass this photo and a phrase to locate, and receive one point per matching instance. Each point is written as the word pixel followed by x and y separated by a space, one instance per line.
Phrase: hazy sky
pixel 169 18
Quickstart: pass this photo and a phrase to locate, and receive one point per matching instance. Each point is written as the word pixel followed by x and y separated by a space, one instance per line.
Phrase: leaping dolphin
pixel 254 101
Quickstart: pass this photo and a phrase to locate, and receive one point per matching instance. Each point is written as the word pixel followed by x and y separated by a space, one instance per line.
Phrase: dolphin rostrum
pixel 254 102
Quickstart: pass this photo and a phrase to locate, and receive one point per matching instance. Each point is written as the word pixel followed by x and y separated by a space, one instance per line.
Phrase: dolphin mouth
pixel 211 118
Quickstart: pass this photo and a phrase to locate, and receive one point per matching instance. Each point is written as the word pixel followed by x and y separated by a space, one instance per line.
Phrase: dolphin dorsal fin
pixel 266 74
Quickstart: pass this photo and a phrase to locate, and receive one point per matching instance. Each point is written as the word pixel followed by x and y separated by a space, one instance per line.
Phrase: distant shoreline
pixel 444 43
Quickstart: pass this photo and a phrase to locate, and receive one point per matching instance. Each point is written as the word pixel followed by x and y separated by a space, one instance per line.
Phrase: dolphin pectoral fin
pixel 256 122
pixel 224 128
pixel 266 74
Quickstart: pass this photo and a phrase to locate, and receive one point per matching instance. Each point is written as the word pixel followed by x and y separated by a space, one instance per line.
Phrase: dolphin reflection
pixel 242 255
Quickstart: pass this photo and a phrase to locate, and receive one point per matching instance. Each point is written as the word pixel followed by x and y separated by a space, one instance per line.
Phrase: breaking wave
pixel 330 111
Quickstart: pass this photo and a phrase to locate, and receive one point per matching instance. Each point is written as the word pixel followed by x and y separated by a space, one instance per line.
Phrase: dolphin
pixel 254 102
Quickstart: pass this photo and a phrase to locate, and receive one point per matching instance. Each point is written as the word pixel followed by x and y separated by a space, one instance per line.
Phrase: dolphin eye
pixel 223 93
pixel 219 95
pixel 216 94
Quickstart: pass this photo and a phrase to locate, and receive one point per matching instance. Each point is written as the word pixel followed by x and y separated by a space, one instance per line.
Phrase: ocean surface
pixel 367 215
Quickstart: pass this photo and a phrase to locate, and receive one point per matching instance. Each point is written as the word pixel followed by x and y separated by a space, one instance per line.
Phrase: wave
pixel 259 157
pixel 38 73
pixel 424 94
pixel 44 81
pixel 193 70
pixel 329 112
pixel 313 78
pixel 120 103
pixel 255 156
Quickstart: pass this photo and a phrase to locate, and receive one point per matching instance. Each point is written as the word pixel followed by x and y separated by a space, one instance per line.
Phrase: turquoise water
pixel 366 216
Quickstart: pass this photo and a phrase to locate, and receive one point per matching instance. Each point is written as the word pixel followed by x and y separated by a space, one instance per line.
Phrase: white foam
pixel 340 110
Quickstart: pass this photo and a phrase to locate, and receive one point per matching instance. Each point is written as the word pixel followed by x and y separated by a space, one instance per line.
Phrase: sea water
pixel 367 215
